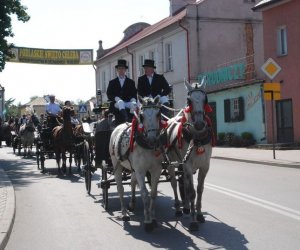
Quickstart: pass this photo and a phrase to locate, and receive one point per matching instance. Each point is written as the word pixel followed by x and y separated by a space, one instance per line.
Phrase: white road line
pixel 256 201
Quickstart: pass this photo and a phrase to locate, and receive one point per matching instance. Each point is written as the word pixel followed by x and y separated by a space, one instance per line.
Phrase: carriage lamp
pixel 99 97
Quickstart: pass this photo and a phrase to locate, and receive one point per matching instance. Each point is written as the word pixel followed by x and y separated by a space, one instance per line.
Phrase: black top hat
pixel 149 63
pixel 122 63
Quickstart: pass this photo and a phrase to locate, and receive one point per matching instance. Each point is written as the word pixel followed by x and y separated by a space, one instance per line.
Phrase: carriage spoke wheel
pixel 104 187
pixel 87 167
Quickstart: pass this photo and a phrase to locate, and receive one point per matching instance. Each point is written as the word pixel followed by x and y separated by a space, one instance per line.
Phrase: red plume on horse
pixel 63 138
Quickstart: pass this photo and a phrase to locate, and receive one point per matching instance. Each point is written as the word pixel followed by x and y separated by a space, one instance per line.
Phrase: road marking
pixel 256 201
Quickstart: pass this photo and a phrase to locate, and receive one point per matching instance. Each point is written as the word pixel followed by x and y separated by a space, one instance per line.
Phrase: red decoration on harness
pixel 200 150
pixel 163 124
pixel 207 108
pixel 188 109
pixel 133 127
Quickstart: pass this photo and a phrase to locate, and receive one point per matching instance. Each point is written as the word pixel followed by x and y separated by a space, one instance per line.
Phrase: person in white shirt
pixel 52 108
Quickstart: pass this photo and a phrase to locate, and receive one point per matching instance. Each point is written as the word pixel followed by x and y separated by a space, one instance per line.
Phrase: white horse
pixel 27 136
pixel 140 156
pixel 190 138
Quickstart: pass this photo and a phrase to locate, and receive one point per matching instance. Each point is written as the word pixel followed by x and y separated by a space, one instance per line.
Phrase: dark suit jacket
pixel 127 92
pixel 159 86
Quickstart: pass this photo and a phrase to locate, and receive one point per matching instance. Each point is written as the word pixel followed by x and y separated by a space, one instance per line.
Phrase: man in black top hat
pixel 121 91
pixel 152 84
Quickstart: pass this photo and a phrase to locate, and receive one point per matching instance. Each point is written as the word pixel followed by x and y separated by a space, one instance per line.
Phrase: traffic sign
pixel 271 68
pixel 82 108
pixel 272 91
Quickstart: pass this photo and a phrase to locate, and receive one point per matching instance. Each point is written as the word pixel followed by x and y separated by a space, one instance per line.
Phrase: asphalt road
pixel 247 206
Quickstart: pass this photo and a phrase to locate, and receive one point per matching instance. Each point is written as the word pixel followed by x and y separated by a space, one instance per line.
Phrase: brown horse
pixel 63 139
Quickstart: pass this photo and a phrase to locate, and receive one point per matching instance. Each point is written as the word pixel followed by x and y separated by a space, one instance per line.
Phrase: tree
pixel 7 9
pixel 11 109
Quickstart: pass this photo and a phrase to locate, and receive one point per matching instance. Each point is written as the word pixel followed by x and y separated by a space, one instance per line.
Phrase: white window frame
pixel 103 82
pixel 282 47
pixel 141 62
pixel 152 55
pixel 168 57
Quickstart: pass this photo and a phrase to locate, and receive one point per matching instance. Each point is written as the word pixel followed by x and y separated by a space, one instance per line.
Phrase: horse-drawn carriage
pixel 148 147
pixel 60 139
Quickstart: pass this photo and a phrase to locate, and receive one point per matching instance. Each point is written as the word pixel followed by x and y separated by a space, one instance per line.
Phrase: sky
pixel 70 24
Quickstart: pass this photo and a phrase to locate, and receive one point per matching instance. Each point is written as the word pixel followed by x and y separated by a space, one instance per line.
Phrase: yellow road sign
pixel 273 86
pixel 268 96
pixel 270 68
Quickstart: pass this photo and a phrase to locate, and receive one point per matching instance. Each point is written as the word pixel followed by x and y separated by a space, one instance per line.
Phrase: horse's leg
pixel 155 175
pixel 64 160
pixel 190 195
pixel 173 181
pixel 133 184
pixel 201 178
pixel 70 162
pixel 120 188
pixel 140 176
pixel 57 156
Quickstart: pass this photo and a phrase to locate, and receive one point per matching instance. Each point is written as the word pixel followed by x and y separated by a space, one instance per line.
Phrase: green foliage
pixel 247 136
pixel 11 109
pixel 7 9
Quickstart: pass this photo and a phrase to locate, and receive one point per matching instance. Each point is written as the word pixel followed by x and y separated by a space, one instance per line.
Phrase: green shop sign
pixel 224 74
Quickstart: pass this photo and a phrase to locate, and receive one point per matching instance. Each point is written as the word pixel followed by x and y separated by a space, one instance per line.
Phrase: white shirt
pixel 122 80
pixel 150 79
pixel 53 108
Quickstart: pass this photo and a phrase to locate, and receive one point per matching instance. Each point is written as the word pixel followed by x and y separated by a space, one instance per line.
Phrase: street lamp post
pixel 2 101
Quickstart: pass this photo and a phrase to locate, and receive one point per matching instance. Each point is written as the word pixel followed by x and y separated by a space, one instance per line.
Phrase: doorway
pixel 284 121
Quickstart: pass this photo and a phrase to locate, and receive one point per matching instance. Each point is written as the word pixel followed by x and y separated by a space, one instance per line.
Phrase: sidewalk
pixel 284 158
pixel 7 208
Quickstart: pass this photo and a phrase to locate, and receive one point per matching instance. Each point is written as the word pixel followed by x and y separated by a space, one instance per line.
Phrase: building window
pixel 103 81
pixel 282 41
pixel 234 109
pixel 151 55
pixel 141 62
pixel 169 59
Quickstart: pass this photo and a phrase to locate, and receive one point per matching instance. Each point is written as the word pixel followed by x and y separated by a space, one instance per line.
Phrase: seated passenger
pixel 121 92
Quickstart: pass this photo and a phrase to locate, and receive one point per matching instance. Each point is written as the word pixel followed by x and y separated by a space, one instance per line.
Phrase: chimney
pixel 176 5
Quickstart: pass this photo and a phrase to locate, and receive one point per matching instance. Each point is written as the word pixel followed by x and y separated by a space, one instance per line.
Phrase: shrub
pixel 228 138
pixel 247 139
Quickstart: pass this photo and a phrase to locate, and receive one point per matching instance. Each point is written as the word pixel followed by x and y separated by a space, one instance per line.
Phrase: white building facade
pixel 219 39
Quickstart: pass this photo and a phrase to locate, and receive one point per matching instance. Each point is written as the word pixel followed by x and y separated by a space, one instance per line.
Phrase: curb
pixel 270 163
pixel 7 208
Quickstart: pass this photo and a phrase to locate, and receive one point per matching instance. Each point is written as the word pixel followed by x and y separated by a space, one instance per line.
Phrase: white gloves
pixel 117 98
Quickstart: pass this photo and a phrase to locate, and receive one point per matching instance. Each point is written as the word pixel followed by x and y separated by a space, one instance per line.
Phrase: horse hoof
pixel 126 218
pixel 178 213
pixel 130 209
pixel 194 226
pixel 186 210
pixel 149 227
pixel 200 218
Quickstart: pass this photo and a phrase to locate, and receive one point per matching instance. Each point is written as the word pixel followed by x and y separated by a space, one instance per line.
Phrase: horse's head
pixel 196 100
pixel 150 117
pixel 30 125
pixel 67 112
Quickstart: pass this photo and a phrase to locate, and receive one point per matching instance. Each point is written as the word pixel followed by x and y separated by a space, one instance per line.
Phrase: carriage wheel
pixel 104 187
pixel 87 164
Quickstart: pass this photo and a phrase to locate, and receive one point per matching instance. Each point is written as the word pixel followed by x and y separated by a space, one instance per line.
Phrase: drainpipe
pixel 132 77
pixel 187 48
